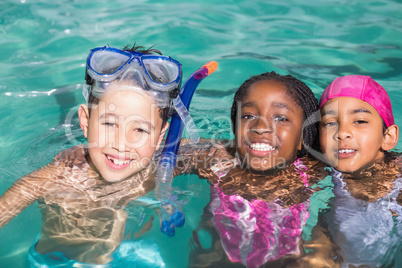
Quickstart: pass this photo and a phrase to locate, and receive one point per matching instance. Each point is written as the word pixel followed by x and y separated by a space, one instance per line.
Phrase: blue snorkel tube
pixel 171 214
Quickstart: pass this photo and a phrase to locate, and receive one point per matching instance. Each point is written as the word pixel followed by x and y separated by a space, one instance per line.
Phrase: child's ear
pixel 83 115
pixel 391 137
pixel 162 135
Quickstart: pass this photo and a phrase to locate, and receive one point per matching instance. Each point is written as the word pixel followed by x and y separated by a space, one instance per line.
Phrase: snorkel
pixel 171 215
pixel 160 77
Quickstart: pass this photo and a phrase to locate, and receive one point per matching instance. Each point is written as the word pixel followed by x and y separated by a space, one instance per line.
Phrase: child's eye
pixel 109 124
pixel 281 118
pixel 142 130
pixel 248 116
pixel 328 124
pixel 361 122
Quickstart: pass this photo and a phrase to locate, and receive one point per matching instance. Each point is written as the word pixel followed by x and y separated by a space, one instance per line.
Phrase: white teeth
pixel 118 162
pixel 261 147
pixel 345 151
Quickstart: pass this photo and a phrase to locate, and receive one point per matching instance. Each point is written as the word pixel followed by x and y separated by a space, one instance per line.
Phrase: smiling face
pixel 123 132
pixel 269 128
pixel 351 134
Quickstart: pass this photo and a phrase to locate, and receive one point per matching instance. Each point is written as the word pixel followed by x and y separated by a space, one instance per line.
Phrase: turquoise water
pixel 44 44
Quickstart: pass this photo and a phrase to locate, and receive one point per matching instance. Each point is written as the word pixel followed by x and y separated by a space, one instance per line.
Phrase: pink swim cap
pixel 363 88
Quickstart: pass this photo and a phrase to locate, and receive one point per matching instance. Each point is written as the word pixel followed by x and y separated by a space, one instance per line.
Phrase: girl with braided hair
pixel 262 184
pixel 300 94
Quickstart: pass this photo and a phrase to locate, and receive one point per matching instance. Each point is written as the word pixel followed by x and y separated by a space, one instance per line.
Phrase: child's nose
pixel 119 140
pixel 261 126
pixel 122 142
pixel 344 132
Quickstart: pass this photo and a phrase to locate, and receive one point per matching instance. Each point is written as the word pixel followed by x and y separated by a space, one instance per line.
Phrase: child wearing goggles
pixel 83 192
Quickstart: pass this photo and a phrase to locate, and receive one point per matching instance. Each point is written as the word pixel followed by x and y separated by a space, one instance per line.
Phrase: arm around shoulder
pixel 196 158
pixel 189 156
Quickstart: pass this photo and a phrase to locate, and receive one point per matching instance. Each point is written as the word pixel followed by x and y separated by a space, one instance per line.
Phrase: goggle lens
pixel 160 69
pixel 106 62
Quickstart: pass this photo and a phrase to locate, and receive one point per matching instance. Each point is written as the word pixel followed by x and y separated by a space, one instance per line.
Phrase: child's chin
pixel 346 169
pixel 113 178
pixel 262 169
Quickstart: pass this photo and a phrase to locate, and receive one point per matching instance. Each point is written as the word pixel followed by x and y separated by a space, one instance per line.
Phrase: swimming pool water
pixel 43 46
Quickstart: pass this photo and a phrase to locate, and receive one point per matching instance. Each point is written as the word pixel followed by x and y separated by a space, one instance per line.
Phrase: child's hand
pixel 221 160
pixel 322 252
pixel 312 262
pixel 218 150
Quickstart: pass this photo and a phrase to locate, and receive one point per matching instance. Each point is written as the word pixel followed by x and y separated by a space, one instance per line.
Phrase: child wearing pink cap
pixel 357 130
pixel 357 125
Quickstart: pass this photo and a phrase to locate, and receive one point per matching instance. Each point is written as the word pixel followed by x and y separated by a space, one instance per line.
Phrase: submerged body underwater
pixel 44 46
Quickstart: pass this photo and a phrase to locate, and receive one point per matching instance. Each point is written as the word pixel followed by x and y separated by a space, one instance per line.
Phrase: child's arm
pixel 15 199
pixel 321 250
pixel 23 193
pixel 190 154
pixel 200 158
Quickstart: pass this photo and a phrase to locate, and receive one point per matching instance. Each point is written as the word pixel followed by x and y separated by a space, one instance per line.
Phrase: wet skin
pixel 83 215
pixel 123 132
pixel 82 193
pixel 351 134
pixel 269 132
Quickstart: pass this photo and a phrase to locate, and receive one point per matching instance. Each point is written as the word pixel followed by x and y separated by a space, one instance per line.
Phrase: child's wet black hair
pixel 142 49
pixel 164 112
pixel 301 94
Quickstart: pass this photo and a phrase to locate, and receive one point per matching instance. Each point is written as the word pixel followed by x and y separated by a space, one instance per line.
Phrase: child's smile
pixel 261 148
pixel 118 163
pixel 345 152
pixel 351 134
pixel 269 131
pixel 124 130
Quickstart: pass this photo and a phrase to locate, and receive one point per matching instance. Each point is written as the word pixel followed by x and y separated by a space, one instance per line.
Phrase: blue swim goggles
pixel 158 74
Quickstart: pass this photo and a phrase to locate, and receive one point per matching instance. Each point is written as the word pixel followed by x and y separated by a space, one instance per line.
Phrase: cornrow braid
pixel 300 93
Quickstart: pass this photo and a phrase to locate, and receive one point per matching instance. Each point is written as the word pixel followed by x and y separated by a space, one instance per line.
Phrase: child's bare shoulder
pixel 68 171
pixel 398 160
pixel 376 181
pixel 71 156
pixel 65 165
pixel 285 186
pixel 48 178
pixel 62 165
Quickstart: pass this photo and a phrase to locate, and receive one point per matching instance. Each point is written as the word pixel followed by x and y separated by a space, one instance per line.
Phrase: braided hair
pixel 300 93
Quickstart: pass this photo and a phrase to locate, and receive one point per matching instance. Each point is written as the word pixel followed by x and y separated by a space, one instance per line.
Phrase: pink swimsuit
pixel 254 232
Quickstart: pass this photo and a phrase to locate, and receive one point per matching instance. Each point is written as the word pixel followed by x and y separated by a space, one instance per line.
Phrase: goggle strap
pixel 85 92
pixel 89 80
pixel 187 120
pixel 174 93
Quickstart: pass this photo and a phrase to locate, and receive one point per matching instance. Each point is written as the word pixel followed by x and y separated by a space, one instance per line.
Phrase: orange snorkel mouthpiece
pixel 211 66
